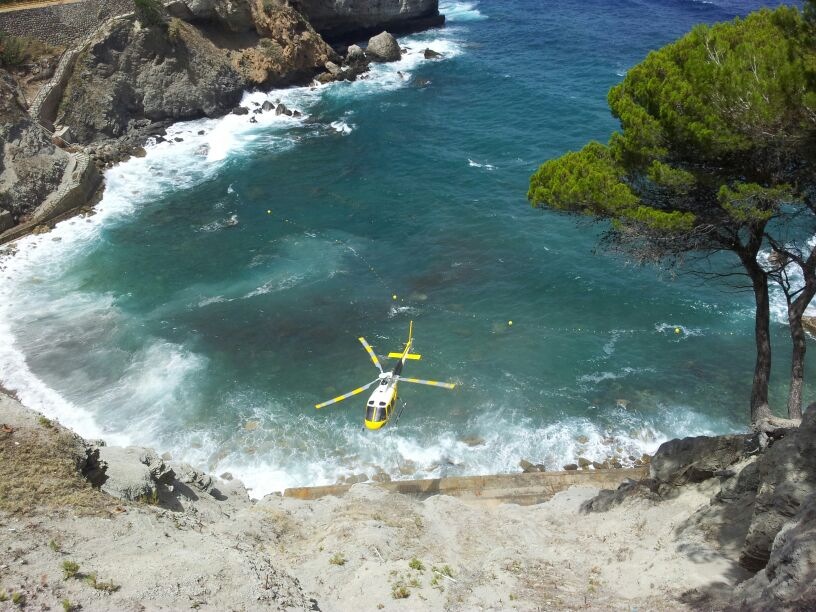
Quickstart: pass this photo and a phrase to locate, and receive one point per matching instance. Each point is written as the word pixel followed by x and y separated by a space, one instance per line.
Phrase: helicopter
pixel 382 402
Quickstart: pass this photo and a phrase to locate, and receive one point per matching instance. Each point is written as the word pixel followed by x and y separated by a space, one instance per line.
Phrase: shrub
pixel 12 50
pixel 416 564
pixel 149 12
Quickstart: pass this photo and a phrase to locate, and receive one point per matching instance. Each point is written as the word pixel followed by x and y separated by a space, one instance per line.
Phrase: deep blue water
pixel 160 322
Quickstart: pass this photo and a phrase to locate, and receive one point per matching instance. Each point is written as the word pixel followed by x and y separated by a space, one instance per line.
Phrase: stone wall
pixel 63 24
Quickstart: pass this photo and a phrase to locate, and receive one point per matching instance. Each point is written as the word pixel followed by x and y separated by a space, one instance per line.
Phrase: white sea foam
pixel 460 11
pixel 283 451
pixel 474 164
pixel 341 127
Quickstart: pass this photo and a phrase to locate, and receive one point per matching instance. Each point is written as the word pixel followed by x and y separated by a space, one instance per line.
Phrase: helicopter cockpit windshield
pixel 375 413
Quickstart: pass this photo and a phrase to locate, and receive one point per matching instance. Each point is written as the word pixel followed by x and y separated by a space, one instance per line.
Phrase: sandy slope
pixel 350 553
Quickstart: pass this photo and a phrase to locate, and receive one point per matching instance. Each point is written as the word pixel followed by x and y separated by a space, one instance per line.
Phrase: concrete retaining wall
pixel 522 489
pixel 62 24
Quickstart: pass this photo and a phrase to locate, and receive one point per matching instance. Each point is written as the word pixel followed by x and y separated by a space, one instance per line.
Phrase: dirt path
pixel 21 6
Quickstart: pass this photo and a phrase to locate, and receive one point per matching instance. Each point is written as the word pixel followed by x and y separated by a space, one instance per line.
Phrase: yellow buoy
pixel 510 323
pixel 677 330
pixel 268 212
pixel 394 297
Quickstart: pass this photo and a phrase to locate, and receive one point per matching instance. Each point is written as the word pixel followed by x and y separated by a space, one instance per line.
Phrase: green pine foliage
pixel 149 12
pixel 717 129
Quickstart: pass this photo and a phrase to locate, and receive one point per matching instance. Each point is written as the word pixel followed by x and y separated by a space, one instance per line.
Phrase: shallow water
pixel 218 293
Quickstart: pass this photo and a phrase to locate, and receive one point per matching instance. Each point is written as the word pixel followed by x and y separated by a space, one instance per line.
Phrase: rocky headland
pixel 723 523
pixel 127 81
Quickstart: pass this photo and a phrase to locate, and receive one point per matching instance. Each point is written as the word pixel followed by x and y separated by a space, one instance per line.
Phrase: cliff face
pixel 31 167
pixel 358 19
pixel 129 77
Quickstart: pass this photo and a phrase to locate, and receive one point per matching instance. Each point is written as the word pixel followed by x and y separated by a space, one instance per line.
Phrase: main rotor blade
pixel 340 398
pixel 371 353
pixel 432 383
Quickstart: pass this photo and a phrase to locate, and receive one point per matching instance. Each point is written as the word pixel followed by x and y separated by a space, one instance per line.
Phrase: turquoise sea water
pixel 218 293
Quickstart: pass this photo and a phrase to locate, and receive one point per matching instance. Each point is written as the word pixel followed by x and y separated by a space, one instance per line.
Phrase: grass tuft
pixel 70 569
pixel 337 559
pixel 400 592
pixel 99 585
pixel 416 564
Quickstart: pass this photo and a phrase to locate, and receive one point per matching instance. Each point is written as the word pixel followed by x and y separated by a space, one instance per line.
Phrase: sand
pixel 368 550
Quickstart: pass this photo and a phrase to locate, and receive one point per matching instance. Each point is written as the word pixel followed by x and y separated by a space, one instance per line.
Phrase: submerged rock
pixel 431 54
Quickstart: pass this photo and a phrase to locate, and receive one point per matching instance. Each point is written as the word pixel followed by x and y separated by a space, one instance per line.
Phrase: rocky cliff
pixel 349 20
pixel 762 514
pixel 129 77
pixel 31 167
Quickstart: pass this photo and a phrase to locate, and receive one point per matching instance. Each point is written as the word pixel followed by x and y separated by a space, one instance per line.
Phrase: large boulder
pixel 788 581
pixel 787 477
pixel 677 462
pixel 133 473
pixel 383 48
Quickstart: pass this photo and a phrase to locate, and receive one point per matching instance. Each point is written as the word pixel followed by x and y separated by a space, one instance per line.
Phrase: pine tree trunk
pixel 796 309
pixel 762 371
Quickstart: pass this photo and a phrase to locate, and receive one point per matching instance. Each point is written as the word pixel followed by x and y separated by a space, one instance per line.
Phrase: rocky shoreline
pixel 725 523
pixel 127 82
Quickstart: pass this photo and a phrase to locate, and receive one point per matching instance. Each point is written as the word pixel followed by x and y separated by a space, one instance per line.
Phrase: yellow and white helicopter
pixel 381 404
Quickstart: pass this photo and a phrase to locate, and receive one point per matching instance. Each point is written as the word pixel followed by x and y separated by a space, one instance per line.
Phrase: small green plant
pixel 45 422
pixel 3 596
pixel 400 592
pixel 67 606
pixel 416 564
pixel 99 585
pixel 513 597
pixel 54 545
pixel 445 570
pixel 337 559
pixel 70 569
pixel 151 499
pixel 18 599
pixel 174 29
pixel 413 582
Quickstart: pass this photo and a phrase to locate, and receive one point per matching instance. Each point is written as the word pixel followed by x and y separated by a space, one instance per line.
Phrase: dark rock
pixel 267 106
pixel 696 459
pixel 527 467
pixel 297 113
pixel 357 19
pixel 333 68
pixel 240 110
pixel 645 489
pixel 226 476
pixel 787 476
pixel 201 132
pixel 571 467
pixel 383 48
pixel 431 54
pixel 139 152
pixel 253 119
pixel 583 462
pixel 178 139
pixel 281 110
pixel 788 581
pixel 355 55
